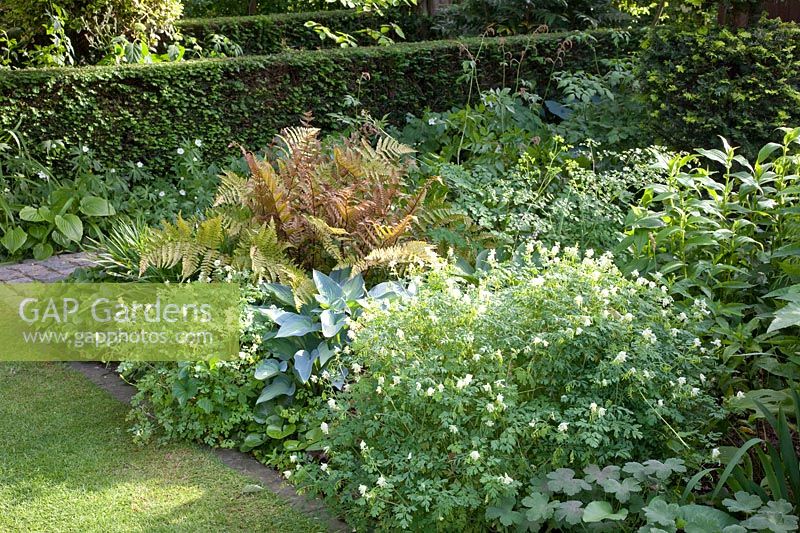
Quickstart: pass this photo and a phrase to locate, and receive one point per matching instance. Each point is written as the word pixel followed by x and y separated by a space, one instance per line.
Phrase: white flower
pixel 682 317
pixel 474 455
pixel 323 467
pixel 579 300
pixel 621 357
pixel 431 121
pixel 381 481
pixel 363 446
pixel 702 378
pixel 356 368
pixel 362 489
pixel 41 175
pixel 453 429
pixel 379 389
pixel 332 403
pixel 661 403
pixel 681 380
pixel 161 194
pixel 695 391
pixel 627 317
pixel 85 149
pixel 324 428
pixel 505 479
pixel 419 385
pixel 649 336
pixel 464 382
pixel 562 427
pixel 601 411
pixel 717 343
pixel 490 407
pixel 430 391
pixel 293 458
pixel 740 395
pixel 139 164
pixel 593 407
pixel 715 453
pixel 696 342
pixel 634 273
pixel 287 474
pixel 180 151
pixel 198 143
pixel 182 192
pixel 400 334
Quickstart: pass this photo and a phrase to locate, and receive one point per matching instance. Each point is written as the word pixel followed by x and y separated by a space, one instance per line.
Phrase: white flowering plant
pixel 469 391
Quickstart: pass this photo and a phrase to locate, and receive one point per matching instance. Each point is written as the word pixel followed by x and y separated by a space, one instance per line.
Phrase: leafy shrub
pixel 227 8
pixel 474 17
pixel 729 237
pixel 469 391
pixel 90 25
pixel 550 196
pixel 44 210
pixel 741 85
pixel 169 102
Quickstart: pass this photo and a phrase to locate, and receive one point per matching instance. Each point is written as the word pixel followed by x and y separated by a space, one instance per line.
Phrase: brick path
pixel 52 269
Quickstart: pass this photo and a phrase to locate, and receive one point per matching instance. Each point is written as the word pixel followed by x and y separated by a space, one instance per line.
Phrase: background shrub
pixel 140 108
pixel 468 391
pixel 739 84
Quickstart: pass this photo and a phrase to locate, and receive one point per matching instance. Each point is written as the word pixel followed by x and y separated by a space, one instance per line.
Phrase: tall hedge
pixel 137 112
pixel 739 84
pixel 270 34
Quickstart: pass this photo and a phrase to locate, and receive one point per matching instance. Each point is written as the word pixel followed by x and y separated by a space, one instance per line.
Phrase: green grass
pixel 68 464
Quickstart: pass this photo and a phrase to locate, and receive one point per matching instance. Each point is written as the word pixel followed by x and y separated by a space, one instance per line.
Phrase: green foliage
pixel 472 390
pixel 163 104
pixel 634 497
pixel 741 85
pixel 45 210
pixel 550 196
pixel 233 8
pixel 270 34
pixel 90 26
pixel 724 233
pixel 474 17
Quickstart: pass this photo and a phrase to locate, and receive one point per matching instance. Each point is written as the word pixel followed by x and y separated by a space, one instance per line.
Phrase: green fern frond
pixel 402 254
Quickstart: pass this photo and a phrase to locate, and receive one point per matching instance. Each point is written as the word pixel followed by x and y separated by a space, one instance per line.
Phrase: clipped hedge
pixel 138 112
pixel 270 34
pixel 739 84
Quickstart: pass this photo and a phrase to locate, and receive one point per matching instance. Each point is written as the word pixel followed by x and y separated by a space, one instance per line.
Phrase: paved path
pixel 52 269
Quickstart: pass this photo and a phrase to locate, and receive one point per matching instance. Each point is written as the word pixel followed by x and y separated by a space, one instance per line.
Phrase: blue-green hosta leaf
pixel 621 490
pixel 295 325
pixel 325 353
pixel 70 226
pixel 332 322
pixel 595 475
pixel 329 290
pixel 599 511
pixel 539 506
pixel 564 480
pixel 734 528
pixel 268 368
pixel 281 385
pixel 303 364
pixel 661 513
pixel 281 293
pixel 704 519
pixel 743 502
pixel 570 511
pixel 354 288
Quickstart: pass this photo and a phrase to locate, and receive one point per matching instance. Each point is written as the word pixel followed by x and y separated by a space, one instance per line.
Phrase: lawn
pixel 68 464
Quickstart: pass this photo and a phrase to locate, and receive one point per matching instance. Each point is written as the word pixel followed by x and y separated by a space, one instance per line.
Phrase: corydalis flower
pixel 563 426
pixel 621 357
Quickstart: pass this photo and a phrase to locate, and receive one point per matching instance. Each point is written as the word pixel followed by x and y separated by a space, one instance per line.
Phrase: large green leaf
pixel 282 385
pixel 14 239
pixel 599 511
pixel 70 226
pixel 295 325
pixel 786 317
pixel 31 214
pixel 94 206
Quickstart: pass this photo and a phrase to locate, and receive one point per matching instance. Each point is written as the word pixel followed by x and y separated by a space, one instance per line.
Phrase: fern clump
pixel 309 207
